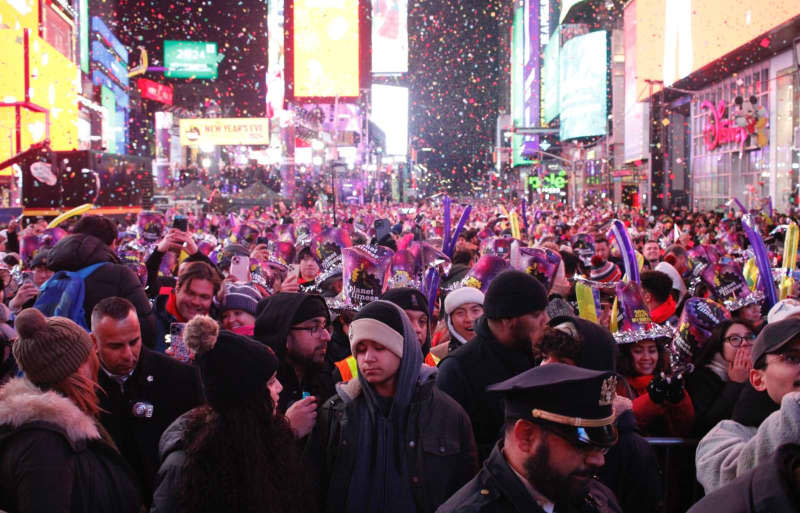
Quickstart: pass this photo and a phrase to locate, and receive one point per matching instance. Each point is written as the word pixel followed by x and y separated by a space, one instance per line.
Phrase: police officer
pixel 559 425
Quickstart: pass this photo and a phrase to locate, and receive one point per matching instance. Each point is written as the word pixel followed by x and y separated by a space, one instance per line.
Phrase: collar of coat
pixel 22 402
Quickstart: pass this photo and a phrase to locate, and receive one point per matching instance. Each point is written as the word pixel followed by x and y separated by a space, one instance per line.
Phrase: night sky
pixel 455 64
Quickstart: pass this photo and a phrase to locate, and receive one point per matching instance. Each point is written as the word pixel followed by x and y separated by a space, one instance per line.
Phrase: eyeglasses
pixel 315 330
pixel 739 340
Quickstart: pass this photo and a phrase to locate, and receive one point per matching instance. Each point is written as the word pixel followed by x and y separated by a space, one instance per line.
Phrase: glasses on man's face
pixel 740 340
pixel 315 330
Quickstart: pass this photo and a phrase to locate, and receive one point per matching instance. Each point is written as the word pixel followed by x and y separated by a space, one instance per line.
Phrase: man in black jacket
pixel 93 242
pixel 144 391
pixel 514 320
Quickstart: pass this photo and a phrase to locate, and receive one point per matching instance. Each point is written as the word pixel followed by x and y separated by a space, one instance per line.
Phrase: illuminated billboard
pixel 389 36
pixel 518 85
pixel 276 86
pixel 224 131
pixel 678 37
pixel 327 49
pixel 54 84
pixel 550 72
pixel 191 59
pixel 19 14
pixel 390 113
pixel 583 81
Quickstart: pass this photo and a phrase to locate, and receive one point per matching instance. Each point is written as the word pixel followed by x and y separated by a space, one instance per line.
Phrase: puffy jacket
pixel 668 419
pixel 76 251
pixel 467 371
pixel 53 458
pixel 497 489
pixel 731 449
pixel 713 399
pixel 769 488
pixel 441 456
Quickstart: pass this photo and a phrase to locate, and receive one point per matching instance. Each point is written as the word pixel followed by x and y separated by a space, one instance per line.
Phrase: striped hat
pixel 604 271
pixel 240 296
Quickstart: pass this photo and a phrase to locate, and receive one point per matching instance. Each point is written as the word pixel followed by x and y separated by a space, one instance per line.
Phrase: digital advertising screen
pixel 224 131
pixel 19 14
pixel 389 36
pixel 583 81
pixel 191 59
pixel 327 49
pixel 678 37
pixel 550 78
pixel 390 113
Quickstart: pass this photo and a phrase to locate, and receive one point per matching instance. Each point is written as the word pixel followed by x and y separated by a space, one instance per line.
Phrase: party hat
pixel 365 272
pixel 636 324
pixel 484 271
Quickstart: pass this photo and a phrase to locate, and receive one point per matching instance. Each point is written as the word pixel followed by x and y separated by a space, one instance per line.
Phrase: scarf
pixel 380 479
pixel 663 311
pixel 719 366
pixel 172 307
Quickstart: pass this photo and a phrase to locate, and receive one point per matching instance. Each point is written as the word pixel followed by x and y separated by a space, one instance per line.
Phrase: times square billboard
pixel 525 79
pixel 327 50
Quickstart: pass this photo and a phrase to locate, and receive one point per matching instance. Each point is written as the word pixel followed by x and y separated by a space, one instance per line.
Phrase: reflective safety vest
pixel 348 368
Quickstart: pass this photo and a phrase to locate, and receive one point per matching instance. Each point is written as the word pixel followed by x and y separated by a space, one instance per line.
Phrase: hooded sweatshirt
pixel 380 479
pixel 274 316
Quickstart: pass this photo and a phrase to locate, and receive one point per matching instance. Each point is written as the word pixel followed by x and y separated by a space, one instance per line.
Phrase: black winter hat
pixel 598 348
pixel 235 369
pixel 407 298
pixel 513 294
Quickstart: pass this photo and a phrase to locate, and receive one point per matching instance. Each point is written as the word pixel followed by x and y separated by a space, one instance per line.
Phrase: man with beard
pixel 296 326
pixel 503 346
pixel 559 425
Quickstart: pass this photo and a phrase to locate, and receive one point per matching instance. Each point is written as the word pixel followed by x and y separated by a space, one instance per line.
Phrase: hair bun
pixel 30 321
pixel 200 334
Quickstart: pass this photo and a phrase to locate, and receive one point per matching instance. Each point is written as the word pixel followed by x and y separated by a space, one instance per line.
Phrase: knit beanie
pixel 49 349
pixel 604 271
pixel 240 296
pixel 513 294
pixel 312 306
pixel 407 298
pixel 235 369
pixel 380 322
pixel 461 297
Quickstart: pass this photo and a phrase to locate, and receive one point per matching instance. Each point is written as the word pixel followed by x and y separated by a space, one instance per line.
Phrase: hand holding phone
pixel 180 223
pixel 240 268
pixel 178 348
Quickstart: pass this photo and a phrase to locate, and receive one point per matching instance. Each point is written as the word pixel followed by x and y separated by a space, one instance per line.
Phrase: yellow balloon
pixel 71 213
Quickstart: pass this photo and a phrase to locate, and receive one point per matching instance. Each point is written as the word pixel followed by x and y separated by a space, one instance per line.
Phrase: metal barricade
pixel 676 459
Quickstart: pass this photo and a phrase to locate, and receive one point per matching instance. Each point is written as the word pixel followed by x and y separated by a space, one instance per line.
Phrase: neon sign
pixel 720 130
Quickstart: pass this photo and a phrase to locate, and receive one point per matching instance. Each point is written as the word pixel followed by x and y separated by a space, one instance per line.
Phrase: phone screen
pixel 180 223
pixel 240 268
pixel 180 351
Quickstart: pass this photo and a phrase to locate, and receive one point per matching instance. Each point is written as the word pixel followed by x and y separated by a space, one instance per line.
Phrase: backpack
pixel 63 295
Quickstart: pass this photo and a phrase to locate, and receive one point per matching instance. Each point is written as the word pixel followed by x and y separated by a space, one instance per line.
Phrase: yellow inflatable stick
pixel 71 213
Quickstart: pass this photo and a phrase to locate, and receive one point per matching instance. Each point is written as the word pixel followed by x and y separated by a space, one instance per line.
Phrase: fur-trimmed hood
pixel 22 402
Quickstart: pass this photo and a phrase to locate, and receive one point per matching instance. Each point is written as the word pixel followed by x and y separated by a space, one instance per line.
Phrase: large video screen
pixel 326 46
pixel 583 81
pixel 389 36
pixel 550 72
pixel 678 37
pixel 390 113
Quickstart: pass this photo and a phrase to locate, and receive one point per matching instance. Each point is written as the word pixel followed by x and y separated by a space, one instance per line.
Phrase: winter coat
pixel 465 374
pixel 631 469
pixel 713 399
pixel 668 419
pixel 163 321
pixel 498 489
pixel 441 455
pixel 273 324
pixel 731 449
pixel 53 458
pixel 76 251
pixel 170 386
pixel 769 488
pixel 171 451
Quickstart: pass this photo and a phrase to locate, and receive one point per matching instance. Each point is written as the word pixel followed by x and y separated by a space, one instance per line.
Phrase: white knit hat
pixel 461 297
pixel 677 281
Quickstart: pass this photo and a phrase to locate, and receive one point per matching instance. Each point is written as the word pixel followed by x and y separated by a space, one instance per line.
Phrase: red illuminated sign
pixel 720 130
pixel 155 91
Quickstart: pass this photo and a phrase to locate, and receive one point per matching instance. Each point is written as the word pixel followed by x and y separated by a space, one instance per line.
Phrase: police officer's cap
pixel 576 402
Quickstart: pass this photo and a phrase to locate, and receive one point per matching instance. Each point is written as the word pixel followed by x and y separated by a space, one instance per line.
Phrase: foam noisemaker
pixel 515 225
pixel 524 214
pixel 588 301
pixel 626 250
pixel 70 213
pixel 789 259
pixel 762 260
pixel 446 235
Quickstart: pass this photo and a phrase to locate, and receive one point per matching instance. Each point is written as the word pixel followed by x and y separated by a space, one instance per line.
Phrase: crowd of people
pixel 430 357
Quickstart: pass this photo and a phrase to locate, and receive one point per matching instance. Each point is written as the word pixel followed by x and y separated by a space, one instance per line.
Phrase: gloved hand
pixel 666 388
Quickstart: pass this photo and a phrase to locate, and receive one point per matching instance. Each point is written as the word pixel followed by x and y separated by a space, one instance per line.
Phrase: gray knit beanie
pixel 49 349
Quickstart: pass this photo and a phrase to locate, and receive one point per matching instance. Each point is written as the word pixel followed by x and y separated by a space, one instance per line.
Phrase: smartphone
pixel 382 229
pixel 180 351
pixel 240 268
pixel 180 223
pixel 27 276
pixel 262 240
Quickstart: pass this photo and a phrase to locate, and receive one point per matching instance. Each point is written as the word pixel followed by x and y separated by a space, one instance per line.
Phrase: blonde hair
pixel 82 390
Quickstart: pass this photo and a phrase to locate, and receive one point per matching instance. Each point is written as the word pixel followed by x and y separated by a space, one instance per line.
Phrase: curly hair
pixel 245 460
pixel 556 343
